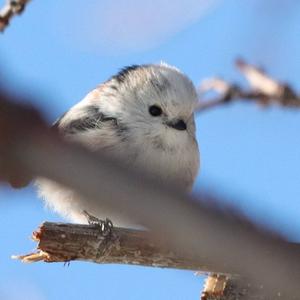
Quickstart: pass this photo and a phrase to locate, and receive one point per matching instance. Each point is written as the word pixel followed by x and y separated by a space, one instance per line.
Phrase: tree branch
pixel 60 242
pixel 263 89
pixel 9 10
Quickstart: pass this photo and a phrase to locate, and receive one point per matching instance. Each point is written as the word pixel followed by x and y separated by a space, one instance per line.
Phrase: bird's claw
pixel 105 226
pixel 67 263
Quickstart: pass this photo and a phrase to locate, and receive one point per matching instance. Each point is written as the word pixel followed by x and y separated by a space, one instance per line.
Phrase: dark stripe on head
pixel 124 73
pixel 159 84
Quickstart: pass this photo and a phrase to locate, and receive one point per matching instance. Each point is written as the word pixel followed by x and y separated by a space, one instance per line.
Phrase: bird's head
pixel 155 102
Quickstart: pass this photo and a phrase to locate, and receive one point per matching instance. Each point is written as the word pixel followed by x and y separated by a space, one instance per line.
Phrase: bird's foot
pixel 67 263
pixel 105 226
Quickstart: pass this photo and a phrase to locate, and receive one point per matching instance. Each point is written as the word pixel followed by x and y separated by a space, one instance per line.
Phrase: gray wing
pixel 85 118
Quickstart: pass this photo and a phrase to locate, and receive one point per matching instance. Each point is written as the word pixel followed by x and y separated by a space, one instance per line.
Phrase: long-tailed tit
pixel 143 115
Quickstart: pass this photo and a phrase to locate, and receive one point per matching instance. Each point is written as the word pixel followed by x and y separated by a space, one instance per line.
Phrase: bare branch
pixel 258 80
pixel 59 242
pixel 9 10
pixel 263 89
pixel 63 242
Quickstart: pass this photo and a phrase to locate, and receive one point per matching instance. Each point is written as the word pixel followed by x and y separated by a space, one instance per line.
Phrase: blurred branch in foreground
pixel 263 89
pixel 9 10
pixel 188 226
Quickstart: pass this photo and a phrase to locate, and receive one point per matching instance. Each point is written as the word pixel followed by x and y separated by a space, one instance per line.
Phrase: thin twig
pixel 9 10
pixel 263 89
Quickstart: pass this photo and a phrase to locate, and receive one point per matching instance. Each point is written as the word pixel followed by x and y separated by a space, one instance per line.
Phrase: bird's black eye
pixel 155 110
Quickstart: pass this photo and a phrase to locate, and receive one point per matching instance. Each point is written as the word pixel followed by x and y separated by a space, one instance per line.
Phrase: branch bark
pixel 9 10
pixel 60 242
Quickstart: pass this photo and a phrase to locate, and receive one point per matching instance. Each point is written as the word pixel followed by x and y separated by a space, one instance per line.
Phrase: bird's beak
pixel 177 124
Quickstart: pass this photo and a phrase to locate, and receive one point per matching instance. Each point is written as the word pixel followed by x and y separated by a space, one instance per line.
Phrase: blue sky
pixel 58 50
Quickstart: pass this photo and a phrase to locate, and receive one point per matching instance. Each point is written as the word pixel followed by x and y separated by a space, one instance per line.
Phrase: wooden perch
pixel 263 89
pixel 9 10
pixel 60 242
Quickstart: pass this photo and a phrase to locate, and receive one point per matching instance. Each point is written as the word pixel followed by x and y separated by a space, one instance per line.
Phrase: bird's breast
pixel 172 161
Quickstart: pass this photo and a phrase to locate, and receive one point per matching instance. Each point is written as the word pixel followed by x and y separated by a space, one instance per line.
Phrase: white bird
pixel 144 116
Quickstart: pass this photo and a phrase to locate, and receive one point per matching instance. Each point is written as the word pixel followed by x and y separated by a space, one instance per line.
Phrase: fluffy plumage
pixel 115 117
